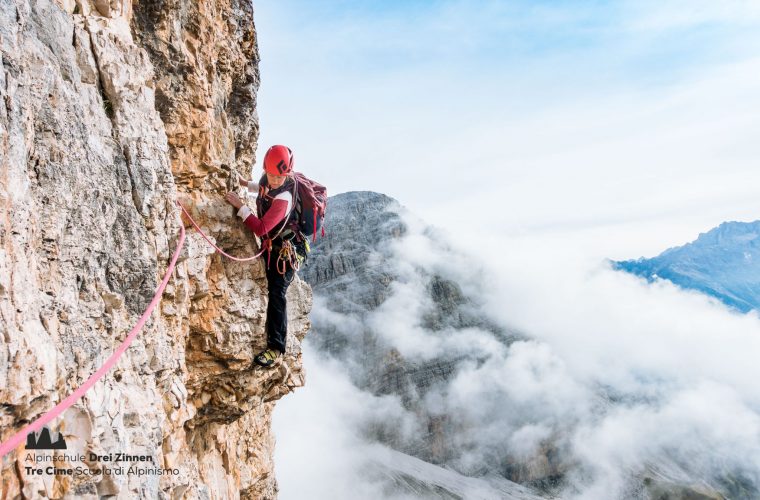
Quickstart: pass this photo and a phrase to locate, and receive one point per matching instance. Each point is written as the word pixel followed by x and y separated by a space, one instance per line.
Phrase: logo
pixel 43 441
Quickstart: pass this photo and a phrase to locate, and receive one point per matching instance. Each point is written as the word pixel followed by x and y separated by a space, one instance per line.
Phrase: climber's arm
pixel 271 219
pixel 251 186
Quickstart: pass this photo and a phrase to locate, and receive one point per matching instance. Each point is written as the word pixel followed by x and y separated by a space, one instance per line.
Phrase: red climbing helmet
pixel 278 160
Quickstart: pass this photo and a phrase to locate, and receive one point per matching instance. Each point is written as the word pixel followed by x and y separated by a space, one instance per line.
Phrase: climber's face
pixel 275 181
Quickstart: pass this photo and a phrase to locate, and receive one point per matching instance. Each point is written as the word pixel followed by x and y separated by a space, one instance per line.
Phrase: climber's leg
pixel 277 311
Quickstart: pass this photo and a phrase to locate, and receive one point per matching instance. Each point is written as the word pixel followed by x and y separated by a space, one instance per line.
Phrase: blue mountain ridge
pixel 723 263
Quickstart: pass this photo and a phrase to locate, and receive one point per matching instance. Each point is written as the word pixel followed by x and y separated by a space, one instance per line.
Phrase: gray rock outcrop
pixel 353 271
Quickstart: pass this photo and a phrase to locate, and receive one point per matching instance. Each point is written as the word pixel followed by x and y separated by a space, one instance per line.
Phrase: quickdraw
pixel 288 255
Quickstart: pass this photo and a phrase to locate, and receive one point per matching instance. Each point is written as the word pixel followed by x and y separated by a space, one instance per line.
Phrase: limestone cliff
pixel 111 111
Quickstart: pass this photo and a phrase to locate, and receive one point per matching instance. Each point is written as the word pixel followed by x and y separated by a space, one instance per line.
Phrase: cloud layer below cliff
pixel 677 367
pixel 622 376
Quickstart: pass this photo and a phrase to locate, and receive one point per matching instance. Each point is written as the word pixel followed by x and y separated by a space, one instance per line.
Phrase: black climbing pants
pixel 277 309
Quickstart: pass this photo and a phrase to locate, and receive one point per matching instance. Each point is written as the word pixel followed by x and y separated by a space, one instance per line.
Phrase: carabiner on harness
pixel 288 255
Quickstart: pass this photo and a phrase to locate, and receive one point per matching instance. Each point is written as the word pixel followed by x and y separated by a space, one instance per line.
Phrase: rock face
pixel 359 223
pixel 111 111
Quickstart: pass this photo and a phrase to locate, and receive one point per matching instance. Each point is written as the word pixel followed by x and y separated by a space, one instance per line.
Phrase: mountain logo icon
pixel 43 441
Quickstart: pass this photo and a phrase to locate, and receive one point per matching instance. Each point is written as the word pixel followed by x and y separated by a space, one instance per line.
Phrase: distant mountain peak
pixel 723 263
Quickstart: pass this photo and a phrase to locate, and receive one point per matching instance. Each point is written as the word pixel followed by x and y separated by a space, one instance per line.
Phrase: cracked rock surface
pixel 111 112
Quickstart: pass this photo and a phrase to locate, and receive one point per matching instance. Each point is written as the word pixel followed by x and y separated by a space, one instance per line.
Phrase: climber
pixel 276 222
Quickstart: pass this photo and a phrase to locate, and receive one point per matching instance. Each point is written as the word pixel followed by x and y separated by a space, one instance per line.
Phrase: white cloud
pixel 705 428
pixel 622 377
pixel 663 16
pixel 320 453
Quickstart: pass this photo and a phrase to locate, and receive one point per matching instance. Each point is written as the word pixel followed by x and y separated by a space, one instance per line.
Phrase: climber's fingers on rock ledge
pixel 234 200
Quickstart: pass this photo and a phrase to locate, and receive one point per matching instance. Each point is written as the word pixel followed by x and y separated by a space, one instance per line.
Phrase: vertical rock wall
pixel 111 111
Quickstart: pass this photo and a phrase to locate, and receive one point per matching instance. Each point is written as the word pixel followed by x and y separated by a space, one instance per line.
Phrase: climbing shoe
pixel 266 358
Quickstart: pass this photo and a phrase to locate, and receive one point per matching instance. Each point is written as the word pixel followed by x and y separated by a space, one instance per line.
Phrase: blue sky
pixel 620 38
pixel 555 114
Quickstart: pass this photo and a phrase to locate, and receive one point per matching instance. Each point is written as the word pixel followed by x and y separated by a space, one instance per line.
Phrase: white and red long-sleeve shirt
pixel 277 212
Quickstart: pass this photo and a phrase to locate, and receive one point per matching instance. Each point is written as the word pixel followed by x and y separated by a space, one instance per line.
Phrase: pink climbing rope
pixel 20 436
pixel 9 445
pixel 197 228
